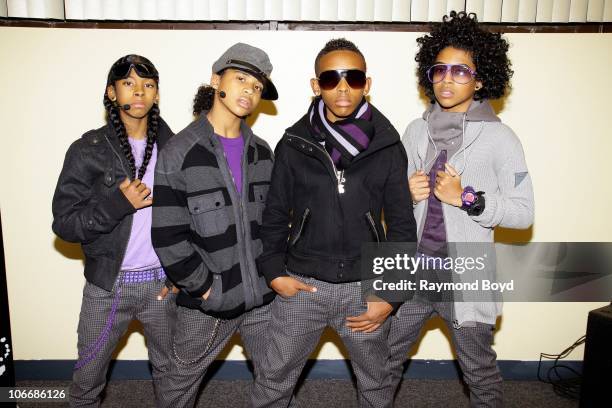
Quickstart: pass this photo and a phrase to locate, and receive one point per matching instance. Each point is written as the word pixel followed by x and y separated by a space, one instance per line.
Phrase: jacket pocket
pixel 208 213
pixel 300 228
pixel 372 225
pixel 260 194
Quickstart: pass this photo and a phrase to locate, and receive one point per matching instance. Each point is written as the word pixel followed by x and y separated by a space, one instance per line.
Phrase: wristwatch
pixel 472 201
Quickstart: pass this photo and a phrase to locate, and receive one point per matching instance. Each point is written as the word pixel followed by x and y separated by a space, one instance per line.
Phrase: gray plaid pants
pixel 295 329
pixel 475 355
pixel 198 340
pixel 104 319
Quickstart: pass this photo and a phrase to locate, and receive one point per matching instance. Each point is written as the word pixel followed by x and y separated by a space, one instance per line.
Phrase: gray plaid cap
pixel 252 60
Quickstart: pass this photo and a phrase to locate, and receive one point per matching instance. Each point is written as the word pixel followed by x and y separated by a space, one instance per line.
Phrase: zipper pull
pixel 341 181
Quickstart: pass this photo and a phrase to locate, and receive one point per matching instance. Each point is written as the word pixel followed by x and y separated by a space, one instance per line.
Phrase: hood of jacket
pixel 470 124
pixel 479 111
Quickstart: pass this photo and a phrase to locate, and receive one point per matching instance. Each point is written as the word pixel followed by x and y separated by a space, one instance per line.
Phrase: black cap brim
pixel 269 93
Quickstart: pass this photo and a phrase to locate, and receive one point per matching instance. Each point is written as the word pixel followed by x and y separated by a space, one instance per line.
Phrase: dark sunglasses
pixel 143 70
pixel 460 74
pixel 355 78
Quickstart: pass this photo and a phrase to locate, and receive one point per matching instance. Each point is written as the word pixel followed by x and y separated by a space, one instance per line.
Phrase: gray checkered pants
pixel 295 328
pixel 475 355
pixel 104 319
pixel 198 340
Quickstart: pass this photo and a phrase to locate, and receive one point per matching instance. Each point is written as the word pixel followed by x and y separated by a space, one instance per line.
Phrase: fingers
pixel 451 170
pixel 358 327
pixel 372 328
pixel 369 328
pixel 207 294
pixel 146 192
pixel 124 184
pixel 305 287
pixel 287 286
pixel 443 179
pixel 418 179
pixel 418 184
pixel 364 317
pixel 417 175
pixel 362 323
pixel 441 176
pixel 138 194
pixel 139 186
pixel 162 294
pixel 420 194
pixel 420 191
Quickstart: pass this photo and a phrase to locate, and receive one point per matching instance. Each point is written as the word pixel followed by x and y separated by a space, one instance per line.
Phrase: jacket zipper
pixel 131 220
pixel 339 175
pixel 340 180
pixel 245 182
pixel 305 216
pixel 373 225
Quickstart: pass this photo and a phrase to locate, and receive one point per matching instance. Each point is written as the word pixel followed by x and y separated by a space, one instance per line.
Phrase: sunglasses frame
pixel 149 71
pixel 449 67
pixel 343 73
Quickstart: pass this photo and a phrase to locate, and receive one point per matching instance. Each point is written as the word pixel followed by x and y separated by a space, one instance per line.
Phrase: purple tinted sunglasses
pixel 461 74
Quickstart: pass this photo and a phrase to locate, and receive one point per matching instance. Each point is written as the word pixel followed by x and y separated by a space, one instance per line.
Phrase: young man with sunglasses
pixel 335 172
pixel 467 175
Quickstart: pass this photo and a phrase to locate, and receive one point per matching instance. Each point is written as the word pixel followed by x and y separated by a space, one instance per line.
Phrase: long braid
pixel 117 124
pixel 152 128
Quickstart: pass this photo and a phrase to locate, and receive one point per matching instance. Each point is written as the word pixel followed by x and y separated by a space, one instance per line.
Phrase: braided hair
pixel 120 70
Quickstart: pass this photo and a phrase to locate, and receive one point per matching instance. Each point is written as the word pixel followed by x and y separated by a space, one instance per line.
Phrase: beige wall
pixel 52 81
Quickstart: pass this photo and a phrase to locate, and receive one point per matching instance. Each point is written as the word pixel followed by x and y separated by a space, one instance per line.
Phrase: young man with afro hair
pixel 467 175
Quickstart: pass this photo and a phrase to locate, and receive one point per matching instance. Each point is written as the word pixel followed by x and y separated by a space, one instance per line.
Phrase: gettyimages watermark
pixel 486 272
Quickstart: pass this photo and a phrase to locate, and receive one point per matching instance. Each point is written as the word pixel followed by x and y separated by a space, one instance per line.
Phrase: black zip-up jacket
pixel 89 207
pixel 312 229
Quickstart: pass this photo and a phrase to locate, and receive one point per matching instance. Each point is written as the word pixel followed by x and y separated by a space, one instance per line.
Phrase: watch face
pixel 469 197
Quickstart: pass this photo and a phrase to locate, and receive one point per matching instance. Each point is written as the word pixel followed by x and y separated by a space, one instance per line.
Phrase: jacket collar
pixel 206 133
pixel 163 133
pixel 479 111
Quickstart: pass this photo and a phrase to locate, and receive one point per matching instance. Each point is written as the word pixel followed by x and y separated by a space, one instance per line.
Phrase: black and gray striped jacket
pixel 206 234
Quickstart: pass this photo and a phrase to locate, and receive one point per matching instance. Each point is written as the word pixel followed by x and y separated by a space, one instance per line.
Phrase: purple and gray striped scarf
pixel 346 138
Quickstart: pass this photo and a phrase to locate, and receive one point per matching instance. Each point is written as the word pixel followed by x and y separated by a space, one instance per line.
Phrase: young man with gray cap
pixel 210 190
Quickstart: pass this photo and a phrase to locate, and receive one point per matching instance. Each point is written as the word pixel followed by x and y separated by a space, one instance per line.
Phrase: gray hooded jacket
pixel 490 159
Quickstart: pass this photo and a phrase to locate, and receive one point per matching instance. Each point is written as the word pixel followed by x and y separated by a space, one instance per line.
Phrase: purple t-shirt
pixel 233 149
pixel 140 254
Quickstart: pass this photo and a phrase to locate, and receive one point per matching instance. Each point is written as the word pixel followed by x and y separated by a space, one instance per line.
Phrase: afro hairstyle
pixel 489 51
